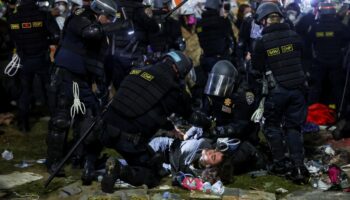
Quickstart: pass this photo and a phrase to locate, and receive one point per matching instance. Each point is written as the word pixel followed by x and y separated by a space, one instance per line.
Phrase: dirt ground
pixel 31 147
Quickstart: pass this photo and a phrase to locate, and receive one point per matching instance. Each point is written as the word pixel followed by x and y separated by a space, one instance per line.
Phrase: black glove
pixel 200 119
pixel 116 26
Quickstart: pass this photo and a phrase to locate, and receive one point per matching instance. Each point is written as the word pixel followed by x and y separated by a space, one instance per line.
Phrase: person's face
pixel 62 7
pixel 211 157
pixel 247 10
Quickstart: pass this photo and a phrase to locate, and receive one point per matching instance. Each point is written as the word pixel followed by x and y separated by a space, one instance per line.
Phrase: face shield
pixel 105 9
pixel 219 85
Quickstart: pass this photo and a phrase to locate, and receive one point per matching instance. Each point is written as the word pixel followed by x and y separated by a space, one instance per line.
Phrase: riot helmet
pixel 77 3
pixel 222 79
pixel 266 9
pixel 326 9
pixel 105 7
pixel 213 4
pixel 159 4
pixel 182 63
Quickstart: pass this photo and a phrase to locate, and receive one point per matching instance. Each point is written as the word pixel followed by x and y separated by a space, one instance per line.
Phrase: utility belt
pixel 67 75
pixel 120 135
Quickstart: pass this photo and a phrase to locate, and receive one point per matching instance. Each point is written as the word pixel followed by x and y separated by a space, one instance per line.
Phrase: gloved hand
pixel 194 133
pixel 116 26
pixel 221 131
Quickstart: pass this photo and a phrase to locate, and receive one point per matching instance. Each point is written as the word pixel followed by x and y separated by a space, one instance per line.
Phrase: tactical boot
pixel 338 132
pixel 88 173
pixel 281 168
pixel 113 168
pixel 299 175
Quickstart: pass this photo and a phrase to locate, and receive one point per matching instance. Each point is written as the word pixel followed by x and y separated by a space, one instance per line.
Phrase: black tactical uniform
pixel 215 36
pixel 146 97
pixel 78 59
pixel 249 32
pixel 168 37
pixel 231 108
pixel 327 36
pixel 278 55
pixel 130 43
pixel 6 84
pixel 29 32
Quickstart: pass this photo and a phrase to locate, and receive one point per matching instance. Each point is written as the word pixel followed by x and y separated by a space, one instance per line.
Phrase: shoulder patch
pixel 147 76
pixel 15 26
pixel 228 102
pixel 79 11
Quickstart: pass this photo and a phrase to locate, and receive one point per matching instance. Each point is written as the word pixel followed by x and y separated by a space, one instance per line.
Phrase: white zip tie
pixel 259 113
pixel 77 106
pixel 12 68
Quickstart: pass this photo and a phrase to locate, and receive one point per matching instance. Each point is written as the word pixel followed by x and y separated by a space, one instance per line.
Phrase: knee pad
pixel 61 120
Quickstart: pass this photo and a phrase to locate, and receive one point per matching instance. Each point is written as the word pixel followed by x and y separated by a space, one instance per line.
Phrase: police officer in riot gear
pixel 327 37
pixel 169 35
pixel 146 97
pixel 130 44
pixel 78 64
pixel 229 103
pixel 249 33
pixel 215 35
pixel 278 55
pixel 29 31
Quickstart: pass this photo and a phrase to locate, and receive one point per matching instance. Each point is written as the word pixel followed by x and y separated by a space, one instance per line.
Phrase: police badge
pixel 250 97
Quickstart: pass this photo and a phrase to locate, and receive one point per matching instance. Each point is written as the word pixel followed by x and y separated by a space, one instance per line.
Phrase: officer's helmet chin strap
pixel 12 68
pixel 77 106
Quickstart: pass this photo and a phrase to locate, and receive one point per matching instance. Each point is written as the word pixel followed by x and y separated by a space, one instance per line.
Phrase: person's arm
pixel 258 56
pixel 146 21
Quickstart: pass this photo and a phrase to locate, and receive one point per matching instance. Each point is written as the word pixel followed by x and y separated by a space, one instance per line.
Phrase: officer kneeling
pixel 146 97
pixel 278 55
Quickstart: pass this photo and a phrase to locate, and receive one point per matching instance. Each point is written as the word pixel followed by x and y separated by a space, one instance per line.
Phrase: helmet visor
pixel 219 85
pixel 100 7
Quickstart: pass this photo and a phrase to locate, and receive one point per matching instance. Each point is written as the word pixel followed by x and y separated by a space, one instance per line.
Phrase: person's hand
pixel 177 133
pixel 55 12
pixel 248 56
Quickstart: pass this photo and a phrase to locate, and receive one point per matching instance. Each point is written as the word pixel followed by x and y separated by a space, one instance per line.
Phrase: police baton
pixel 81 139
pixel 175 9
pixel 346 64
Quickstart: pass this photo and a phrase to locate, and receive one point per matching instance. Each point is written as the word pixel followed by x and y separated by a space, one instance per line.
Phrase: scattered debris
pixel 41 161
pixel 23 164
pixel 69 191
pixel 14 179
pixel 7 155
pixel 281 191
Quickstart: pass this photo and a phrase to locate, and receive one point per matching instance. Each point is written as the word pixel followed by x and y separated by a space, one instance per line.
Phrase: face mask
pixel 248 15
pixel 292 15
